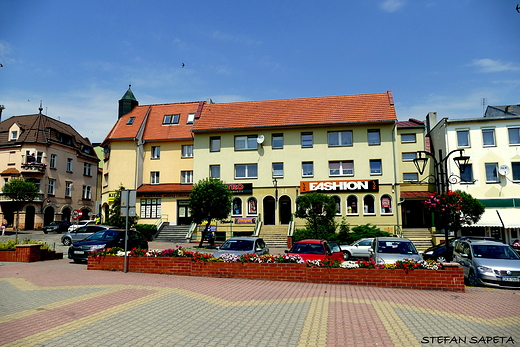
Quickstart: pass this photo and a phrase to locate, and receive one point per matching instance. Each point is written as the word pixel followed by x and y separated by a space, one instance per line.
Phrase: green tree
pixel 114 213
pixel 319 211
pixel 210 200
pixel 19 191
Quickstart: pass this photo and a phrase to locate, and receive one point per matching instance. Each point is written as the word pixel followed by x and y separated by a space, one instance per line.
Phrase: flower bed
pixel 407 274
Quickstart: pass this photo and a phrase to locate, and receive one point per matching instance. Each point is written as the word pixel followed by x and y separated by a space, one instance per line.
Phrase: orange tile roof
pixel 415 194
pixel 165 188
pixel 154 129
pixel 298 112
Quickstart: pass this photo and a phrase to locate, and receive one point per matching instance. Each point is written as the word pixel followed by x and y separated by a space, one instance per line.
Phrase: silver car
pixel 81 233
pixel 388 250
pixel 81 223
pixel 358 249
pixel 488 263
pixel 242 245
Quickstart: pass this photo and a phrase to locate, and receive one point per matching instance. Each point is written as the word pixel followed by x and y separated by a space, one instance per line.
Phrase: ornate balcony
pixel 40 167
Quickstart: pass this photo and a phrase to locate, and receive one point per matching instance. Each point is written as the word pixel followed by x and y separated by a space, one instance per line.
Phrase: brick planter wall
pixel 28 253
pixel 450 278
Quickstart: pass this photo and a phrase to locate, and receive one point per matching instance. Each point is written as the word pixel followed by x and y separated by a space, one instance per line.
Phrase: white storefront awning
pixel 510 217
pixel 489 218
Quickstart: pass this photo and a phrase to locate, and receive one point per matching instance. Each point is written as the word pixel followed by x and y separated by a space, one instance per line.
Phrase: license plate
pixel 511 279
pixel 79 252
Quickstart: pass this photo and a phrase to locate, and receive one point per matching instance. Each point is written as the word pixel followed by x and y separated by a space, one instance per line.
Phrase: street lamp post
pixel 441 177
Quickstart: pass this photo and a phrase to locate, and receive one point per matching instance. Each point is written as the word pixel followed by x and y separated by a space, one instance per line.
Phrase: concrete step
pixel 173 233
pixel 275 237
pixel 422 243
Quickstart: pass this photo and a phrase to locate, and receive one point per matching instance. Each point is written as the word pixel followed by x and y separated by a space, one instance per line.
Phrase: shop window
pixel 368 205
pixel 150 208
pixel 352 204
pixel 252 206
pixel 386 204
pixel 237 207
pixel 337 200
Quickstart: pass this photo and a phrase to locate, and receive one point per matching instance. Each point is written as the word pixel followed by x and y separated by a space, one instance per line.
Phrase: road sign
pixel 76 214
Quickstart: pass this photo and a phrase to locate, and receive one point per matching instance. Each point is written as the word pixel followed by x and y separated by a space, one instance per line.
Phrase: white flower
pixel 349 265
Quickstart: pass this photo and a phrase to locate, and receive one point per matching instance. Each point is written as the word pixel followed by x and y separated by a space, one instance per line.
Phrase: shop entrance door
pixel 183 212
pixel 269 210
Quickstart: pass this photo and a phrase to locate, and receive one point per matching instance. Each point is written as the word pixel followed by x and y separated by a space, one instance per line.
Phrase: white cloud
pixel 490 65
pixel 391 5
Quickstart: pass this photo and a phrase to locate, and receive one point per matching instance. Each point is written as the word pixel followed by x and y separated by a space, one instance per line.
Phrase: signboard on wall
pixel 240 188
pixel 340 186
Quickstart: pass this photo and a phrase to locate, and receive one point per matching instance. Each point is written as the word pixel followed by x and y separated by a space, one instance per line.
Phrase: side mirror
pixel 357 245
pixel 371 251
pixel 464 255
pixel 218 247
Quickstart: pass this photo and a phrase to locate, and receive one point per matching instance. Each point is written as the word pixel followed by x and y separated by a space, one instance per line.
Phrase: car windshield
pixel 54 223
pixel 307 248
pixel 104 235
pixel 238 245
pixel 334 247
pixel 494 252
pixel 400 247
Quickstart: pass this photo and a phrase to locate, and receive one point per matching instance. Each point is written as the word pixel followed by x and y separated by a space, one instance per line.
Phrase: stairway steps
pixel 173 233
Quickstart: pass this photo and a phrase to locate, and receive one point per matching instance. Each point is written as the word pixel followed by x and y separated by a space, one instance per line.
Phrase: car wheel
pixel 441 259
pixel 472 279
pixel 77 261
pixel 45 231
pixel 346 255
pixel 67 241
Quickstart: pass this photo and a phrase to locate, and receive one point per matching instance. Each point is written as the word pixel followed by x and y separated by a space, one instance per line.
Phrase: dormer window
pixel 14 135
pixel 130 121
pixel 171 119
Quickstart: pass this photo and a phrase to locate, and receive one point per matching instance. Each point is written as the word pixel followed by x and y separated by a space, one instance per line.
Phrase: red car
pixel 316 250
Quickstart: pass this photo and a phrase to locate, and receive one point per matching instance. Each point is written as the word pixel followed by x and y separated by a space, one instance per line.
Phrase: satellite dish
pixel 503 170
pixel 260 139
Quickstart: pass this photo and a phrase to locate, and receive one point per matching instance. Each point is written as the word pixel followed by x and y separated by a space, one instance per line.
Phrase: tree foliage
pixel 210 200
pixel 20 190
pixel 319 211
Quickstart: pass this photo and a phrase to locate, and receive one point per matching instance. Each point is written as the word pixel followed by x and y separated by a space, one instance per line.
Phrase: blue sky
pixel 79 57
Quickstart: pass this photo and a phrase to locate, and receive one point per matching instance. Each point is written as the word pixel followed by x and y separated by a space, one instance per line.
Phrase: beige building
pixel 57 159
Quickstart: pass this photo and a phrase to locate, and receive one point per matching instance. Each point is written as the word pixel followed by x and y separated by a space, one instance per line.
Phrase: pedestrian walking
pixel 3 228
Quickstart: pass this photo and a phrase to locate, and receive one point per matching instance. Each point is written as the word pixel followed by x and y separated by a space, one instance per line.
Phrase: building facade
pixel 57 159
pixel 493 173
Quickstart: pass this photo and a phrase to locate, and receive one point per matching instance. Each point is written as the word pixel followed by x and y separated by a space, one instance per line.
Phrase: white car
pixel 81 223
pixel 358 249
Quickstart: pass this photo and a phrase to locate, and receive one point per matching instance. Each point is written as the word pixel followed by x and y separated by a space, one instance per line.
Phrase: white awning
pixel 510 217
pixel 489 218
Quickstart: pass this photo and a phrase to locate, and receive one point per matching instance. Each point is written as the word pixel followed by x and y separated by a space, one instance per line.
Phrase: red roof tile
pixel 415 194
pixel 154 129
pixel 165 187
pixel 294 112
pixel 411 123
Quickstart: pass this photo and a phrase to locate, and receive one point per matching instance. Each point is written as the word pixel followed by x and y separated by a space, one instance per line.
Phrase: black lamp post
pixel 441 178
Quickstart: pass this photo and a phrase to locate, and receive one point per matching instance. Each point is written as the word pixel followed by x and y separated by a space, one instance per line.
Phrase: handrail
pixel 258 226
pixel 191 230
pixel 290 230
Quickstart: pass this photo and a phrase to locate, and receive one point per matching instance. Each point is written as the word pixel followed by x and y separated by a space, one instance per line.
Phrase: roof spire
pixel 40 108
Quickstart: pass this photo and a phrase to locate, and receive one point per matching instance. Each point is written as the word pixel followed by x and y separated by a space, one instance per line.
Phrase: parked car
pixel 81 223
pixel 57 226
pixel 242 245
pixel 81 233
pixel 388 250
pixel 109 238
pixel 358 249
pixel 438 252
pixel 316 250
pixel 488 263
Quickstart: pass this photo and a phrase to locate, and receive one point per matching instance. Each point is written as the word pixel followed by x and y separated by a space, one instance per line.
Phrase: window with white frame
pixel 307 141
pixel 87 169
pixel 246 143
pixel 246 171
pixel 51 189
pixel 150 208
pixel 214 144
pixel 341 168
pixel 237 207
pixel 463 138
pixel 407 138
pixel 86 193
pixel 156 152
pixel 187 151
pixel 410 176
pixel 171 119
pixel 307 169
pixel 376 167
pixel 515 170
pixel 186 177
pixel 14 135
pixel 340 138
pixel 492 173
pixel 337 201
pixel 352 204
pixel 68 189
pixel 154 177
pixel 214 171
pixel 69 164
pixel 39 157
pixel 488 137
pixel 514 136
pixel 52 161
pixel 35 181
pixel 277 169
pixel 277 141
pixel 408 156
pixel 191 118
pixel 386 204
pixel 374 137
pixel 368 204
pixel 106 179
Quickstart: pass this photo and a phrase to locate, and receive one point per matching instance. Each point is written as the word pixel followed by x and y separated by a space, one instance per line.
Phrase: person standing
pixel 3 228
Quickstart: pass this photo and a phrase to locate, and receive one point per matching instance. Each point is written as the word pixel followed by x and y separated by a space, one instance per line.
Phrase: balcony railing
pixel 34 166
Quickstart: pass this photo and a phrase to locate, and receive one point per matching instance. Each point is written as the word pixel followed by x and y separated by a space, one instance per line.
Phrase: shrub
pixel 148 230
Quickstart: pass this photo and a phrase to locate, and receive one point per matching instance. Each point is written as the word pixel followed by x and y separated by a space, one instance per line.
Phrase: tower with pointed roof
pixel 127 102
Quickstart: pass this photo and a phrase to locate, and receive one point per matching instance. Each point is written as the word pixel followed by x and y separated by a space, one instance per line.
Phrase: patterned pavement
pixel 58 303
